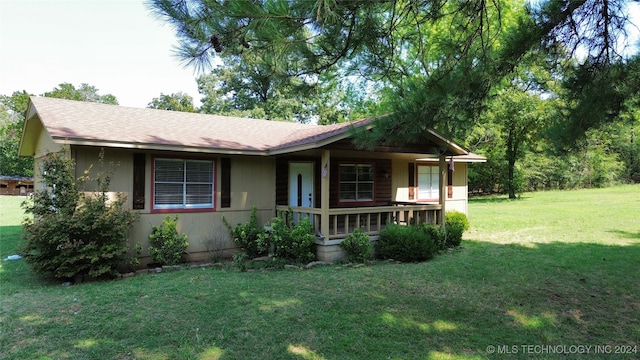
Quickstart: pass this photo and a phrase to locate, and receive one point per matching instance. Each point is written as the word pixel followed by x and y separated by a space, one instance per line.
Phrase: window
pixel 356 182
pixel 428 182
pixel 183 184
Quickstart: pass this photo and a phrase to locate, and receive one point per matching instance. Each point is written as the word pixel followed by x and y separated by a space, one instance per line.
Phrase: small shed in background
pixel 16 185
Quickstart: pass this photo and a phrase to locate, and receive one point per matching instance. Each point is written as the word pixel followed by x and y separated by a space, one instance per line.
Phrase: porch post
pixel 325 180
pixel 442 162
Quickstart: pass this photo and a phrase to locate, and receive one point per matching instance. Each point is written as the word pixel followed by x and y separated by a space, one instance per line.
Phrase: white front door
pixel 301 184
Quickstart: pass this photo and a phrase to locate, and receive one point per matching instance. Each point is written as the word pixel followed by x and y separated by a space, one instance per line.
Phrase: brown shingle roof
pixel 94 124
pixel 79 122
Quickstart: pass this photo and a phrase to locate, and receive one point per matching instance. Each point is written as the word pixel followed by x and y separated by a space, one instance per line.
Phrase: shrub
pixel 240 261
pixel 357 246
pixel 166 246
pixel 437 234
pixel 293 242
pixel 405 243
pixel 455 224
pixel 72 234
pixel 249 237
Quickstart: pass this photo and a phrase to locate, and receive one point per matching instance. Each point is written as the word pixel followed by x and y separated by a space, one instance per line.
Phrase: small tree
pixel 72 234
pixel 455 224
pixel 250 237
pixel 166 245
pixel 292 241
pixel 357 246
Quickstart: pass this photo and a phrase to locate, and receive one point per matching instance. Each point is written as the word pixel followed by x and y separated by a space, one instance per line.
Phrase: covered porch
pixel 371 220
pixel 334 220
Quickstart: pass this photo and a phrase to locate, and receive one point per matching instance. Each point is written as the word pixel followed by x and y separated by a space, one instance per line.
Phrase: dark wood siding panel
pixel 317 184
pixel 282 181
pixel 382 182
pixel 450 184
pixel 225 182
pixel 383 176
pixel 139 164
pixel 412 181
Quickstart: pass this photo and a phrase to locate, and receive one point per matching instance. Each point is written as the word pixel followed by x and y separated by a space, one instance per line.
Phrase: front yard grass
pixel 551 272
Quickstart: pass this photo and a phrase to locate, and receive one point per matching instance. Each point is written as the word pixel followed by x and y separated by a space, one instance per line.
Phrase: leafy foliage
pixel 437 234
pixel 85 92
pixel 409 243
pixel 166 246
pixel 295 242
pixel 12 109
pixel 430 64
pixel 250 237
pixel 455 224
pixel 286 239
pixel 357 246
pixel 175 102
pixel 73 234
pixel 250 88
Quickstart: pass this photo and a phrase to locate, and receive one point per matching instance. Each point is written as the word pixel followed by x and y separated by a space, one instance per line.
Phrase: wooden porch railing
pixel 372 220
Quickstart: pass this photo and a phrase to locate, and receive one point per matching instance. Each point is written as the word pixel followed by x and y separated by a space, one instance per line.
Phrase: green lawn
pixel 550 272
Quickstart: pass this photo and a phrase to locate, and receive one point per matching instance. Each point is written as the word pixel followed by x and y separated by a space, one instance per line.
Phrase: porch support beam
pixel 325 181
pixel 442 162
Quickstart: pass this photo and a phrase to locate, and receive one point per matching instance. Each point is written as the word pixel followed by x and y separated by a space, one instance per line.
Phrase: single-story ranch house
pixel 205 167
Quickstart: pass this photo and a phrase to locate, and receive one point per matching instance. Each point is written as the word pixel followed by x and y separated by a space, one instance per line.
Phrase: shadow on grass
pixel 627 234
pixel 455 306
pixel 494 199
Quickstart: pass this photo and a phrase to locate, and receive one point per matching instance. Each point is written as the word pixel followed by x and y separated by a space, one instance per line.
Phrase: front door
pixel 301 184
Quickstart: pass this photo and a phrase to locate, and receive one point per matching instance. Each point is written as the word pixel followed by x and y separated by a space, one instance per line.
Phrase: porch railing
pixel 372 220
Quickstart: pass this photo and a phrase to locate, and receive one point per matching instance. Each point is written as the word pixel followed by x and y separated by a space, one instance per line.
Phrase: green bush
pixel 73 234
pixel 240 261
pixel 293 242
pixel 455 224
pixel 166 246
pixel 250 237
pixel 437 234
pixel 357 246
pixel 409 243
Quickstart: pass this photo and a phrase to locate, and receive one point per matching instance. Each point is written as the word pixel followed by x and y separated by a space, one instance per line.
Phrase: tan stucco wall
pixel 458 201
pixel 252 184
pixel 400 181
pixel 44 145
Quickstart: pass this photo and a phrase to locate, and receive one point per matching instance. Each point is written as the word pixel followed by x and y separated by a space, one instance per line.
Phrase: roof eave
pixel 452 146
pixel 28 138
pixel 159 147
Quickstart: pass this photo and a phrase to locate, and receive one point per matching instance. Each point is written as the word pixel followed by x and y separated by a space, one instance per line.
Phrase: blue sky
pixel 114 45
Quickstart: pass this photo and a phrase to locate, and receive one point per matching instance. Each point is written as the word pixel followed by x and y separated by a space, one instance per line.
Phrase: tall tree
pixel 12 111
pixel 250 87
pixel 85 92
pixel 234 88
pixel 477 43
pixel 175 102
pixel 523 107
pixel 522 117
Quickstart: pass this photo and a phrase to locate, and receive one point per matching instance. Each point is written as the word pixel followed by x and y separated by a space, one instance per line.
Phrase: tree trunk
pixel 512 190
pixel 512 150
